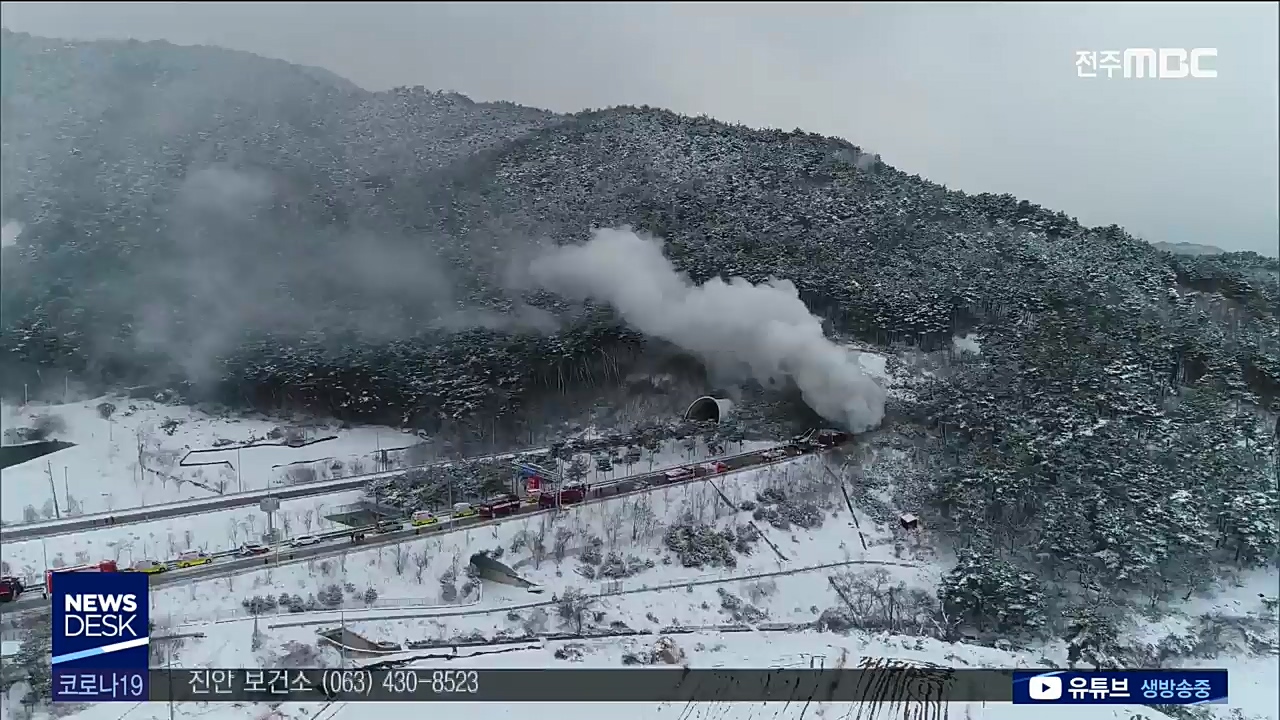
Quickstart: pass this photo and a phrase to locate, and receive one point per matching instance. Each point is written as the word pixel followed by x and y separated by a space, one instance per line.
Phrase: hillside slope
pixel 271 238
pixel 250 218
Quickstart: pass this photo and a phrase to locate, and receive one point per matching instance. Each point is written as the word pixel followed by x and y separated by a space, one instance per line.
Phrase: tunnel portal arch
pixel 707 408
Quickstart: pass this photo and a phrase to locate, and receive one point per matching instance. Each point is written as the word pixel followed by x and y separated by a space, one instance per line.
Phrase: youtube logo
pixel 1045 687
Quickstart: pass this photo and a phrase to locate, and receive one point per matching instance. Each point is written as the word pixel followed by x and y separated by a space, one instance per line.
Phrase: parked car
pixel 249 549
pixel 461 510
pixel 677 474
pixel 386 526
pixel 148 566
pixel 192 558
pixel 304 540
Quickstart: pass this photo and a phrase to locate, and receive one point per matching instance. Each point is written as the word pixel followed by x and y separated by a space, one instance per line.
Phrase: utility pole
pixel 66 486
pixel 53 489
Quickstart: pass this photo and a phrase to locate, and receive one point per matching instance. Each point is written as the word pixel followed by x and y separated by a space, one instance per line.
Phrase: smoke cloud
pixel 764 330
pixel 9 232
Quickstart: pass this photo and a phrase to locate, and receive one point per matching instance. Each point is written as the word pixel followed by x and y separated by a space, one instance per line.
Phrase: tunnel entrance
pixel 708 409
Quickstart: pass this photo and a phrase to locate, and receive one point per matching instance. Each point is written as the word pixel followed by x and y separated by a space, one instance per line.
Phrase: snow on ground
pixel 1252 687
pixel 163 539
pixel 188 454
pixel 102 472
pixel 632 525
pixel 228 529
pixel 663 595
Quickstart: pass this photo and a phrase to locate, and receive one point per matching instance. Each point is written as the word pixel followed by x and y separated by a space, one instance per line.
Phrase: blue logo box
pixel 101 636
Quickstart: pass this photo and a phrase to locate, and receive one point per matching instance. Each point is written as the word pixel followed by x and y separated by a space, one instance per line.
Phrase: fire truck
pixel 10 588
pixel 569 493
pixel 499 505
pixel 104 566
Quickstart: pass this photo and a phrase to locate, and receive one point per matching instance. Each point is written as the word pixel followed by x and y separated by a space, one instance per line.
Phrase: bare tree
pixel 572 607
pixel 612 522
pixel 538 542
pixel 421 562
pixel 643 519
pixel 401 558
pixel 560 546
pixel 259 638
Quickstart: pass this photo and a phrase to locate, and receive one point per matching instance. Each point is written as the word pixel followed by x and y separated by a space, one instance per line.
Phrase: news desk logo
pixel 1162 63
pixel 101 643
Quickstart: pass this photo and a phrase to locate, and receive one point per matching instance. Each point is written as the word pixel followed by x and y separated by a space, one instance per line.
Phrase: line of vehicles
pixel 541 494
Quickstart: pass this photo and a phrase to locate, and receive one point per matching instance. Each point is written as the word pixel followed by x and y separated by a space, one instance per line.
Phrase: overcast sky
pixel 980 97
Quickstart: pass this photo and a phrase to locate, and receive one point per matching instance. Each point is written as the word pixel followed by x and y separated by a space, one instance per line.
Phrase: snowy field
pixel 164 539
pixel 145 453
pixel 786 580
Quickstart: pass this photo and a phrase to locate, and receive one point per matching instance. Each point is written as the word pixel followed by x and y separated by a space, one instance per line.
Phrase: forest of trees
pixel 185 228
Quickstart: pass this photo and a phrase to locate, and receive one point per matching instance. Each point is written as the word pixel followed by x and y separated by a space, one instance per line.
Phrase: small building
pixel 909 521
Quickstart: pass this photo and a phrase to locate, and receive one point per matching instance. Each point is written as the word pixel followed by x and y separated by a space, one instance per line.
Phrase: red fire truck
pixel 104 566
pixel 569 494
pixel 499 505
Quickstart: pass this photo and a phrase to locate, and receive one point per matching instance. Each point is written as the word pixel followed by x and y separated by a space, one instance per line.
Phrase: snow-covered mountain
pixel 1084 424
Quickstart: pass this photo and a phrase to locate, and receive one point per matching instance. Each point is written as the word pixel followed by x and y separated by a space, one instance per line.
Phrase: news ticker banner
pixel 924 685
pixel 100 629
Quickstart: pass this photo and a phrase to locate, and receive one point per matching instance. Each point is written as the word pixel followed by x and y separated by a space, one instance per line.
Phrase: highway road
pixel 339 542
pixel 131 516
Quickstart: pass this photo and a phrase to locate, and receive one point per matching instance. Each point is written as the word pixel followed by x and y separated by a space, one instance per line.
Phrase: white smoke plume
pixel 9 232
pixel 764 329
